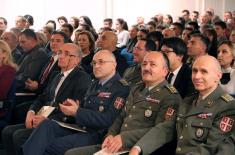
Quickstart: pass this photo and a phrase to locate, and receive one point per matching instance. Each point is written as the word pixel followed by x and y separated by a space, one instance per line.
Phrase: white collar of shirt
pixel 227 70
pixel 176 71
pixel 66 73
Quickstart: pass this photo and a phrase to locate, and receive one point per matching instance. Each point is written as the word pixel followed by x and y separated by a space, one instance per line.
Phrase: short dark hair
pixel 62 18
pixel 177 44
pixel 187 11
pixel 29 19
pixel 196 12
pixel 66 39
pixel 194 24
pixel 29 33
pixel 205 40
pixel 110 20
pixel 69 26
pixel 221 24
pixel 152 23
pixel 53 22
pixel 149 45
pixel 4 20
pixel 179 25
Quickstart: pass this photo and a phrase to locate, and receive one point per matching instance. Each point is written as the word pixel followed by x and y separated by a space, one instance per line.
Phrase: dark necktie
pixel 225 78
pixel 169 78
pixel 55 82
pixel 46 71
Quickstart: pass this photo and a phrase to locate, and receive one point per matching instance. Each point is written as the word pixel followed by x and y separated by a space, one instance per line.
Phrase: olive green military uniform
pixel 204 126
pixel 133 74
pixel 143 111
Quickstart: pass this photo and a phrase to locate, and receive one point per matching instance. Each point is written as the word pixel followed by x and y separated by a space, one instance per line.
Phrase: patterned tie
pixel 46 71
pixel 169 78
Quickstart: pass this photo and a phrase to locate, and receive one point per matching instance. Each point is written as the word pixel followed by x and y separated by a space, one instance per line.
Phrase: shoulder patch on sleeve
pixel 171 89
pixel 123 82
pixel 227 97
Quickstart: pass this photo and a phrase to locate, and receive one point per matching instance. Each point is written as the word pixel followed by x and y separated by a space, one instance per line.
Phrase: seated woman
pixel 7 75
pixel 226 55
pixel 122 33
pixel 87 43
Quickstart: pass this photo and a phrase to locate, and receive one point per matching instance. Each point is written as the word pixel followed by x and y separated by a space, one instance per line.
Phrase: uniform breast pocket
pixel 200 129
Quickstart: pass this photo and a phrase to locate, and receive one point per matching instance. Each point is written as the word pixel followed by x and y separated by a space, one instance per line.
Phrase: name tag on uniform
pixel 104 94
pixel 152 100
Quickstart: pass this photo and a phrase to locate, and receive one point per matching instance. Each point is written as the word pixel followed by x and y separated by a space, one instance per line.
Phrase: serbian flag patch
pixel 119 102
pixel 226 124
pixel 169 113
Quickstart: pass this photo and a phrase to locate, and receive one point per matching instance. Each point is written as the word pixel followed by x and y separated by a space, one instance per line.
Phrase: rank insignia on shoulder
pixel 119 103
pixel 171 89
pixel 226 124
pixel 227 97
pixel 124 82
pixel 169 113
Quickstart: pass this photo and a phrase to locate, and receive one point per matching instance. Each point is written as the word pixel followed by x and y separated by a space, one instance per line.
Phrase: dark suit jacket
pixel 55 68
pixel 73 87
pixel 31 67
pixel 183 82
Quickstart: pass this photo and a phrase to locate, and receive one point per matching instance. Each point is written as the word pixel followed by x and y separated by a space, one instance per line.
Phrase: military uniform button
pixel 133 107
pixel 89 101
pixel 126 102
pixel 186 125
pixel 179 149
pixel 181 137
pixel 201 124
pixel 178 118
pixel 84 128
pixel 125 125
pixel 130 116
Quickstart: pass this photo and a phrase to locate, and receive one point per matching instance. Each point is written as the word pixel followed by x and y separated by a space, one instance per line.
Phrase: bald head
pixel 206 74
pixel 104 65
pixel 107 41
pixel 106 54
pixel 209 60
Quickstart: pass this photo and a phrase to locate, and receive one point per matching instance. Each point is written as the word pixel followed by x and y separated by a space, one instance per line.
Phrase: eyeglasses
pixel 99 62
pixel 66 53
pixel 138 49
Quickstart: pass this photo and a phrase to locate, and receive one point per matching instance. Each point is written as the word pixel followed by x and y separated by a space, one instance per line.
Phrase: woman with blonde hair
pixel 7 70
pixel 226 57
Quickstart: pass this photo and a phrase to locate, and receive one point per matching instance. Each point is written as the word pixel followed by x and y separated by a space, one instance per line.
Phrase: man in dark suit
pixel 58 38
pixel 180 74
pixel 73 84
pixel 103 102
pixel 34 60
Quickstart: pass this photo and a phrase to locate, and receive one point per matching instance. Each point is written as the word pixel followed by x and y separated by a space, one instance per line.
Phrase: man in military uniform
pixel 103 101
pixel 133 73
pixel 205 121
pixel 151 103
